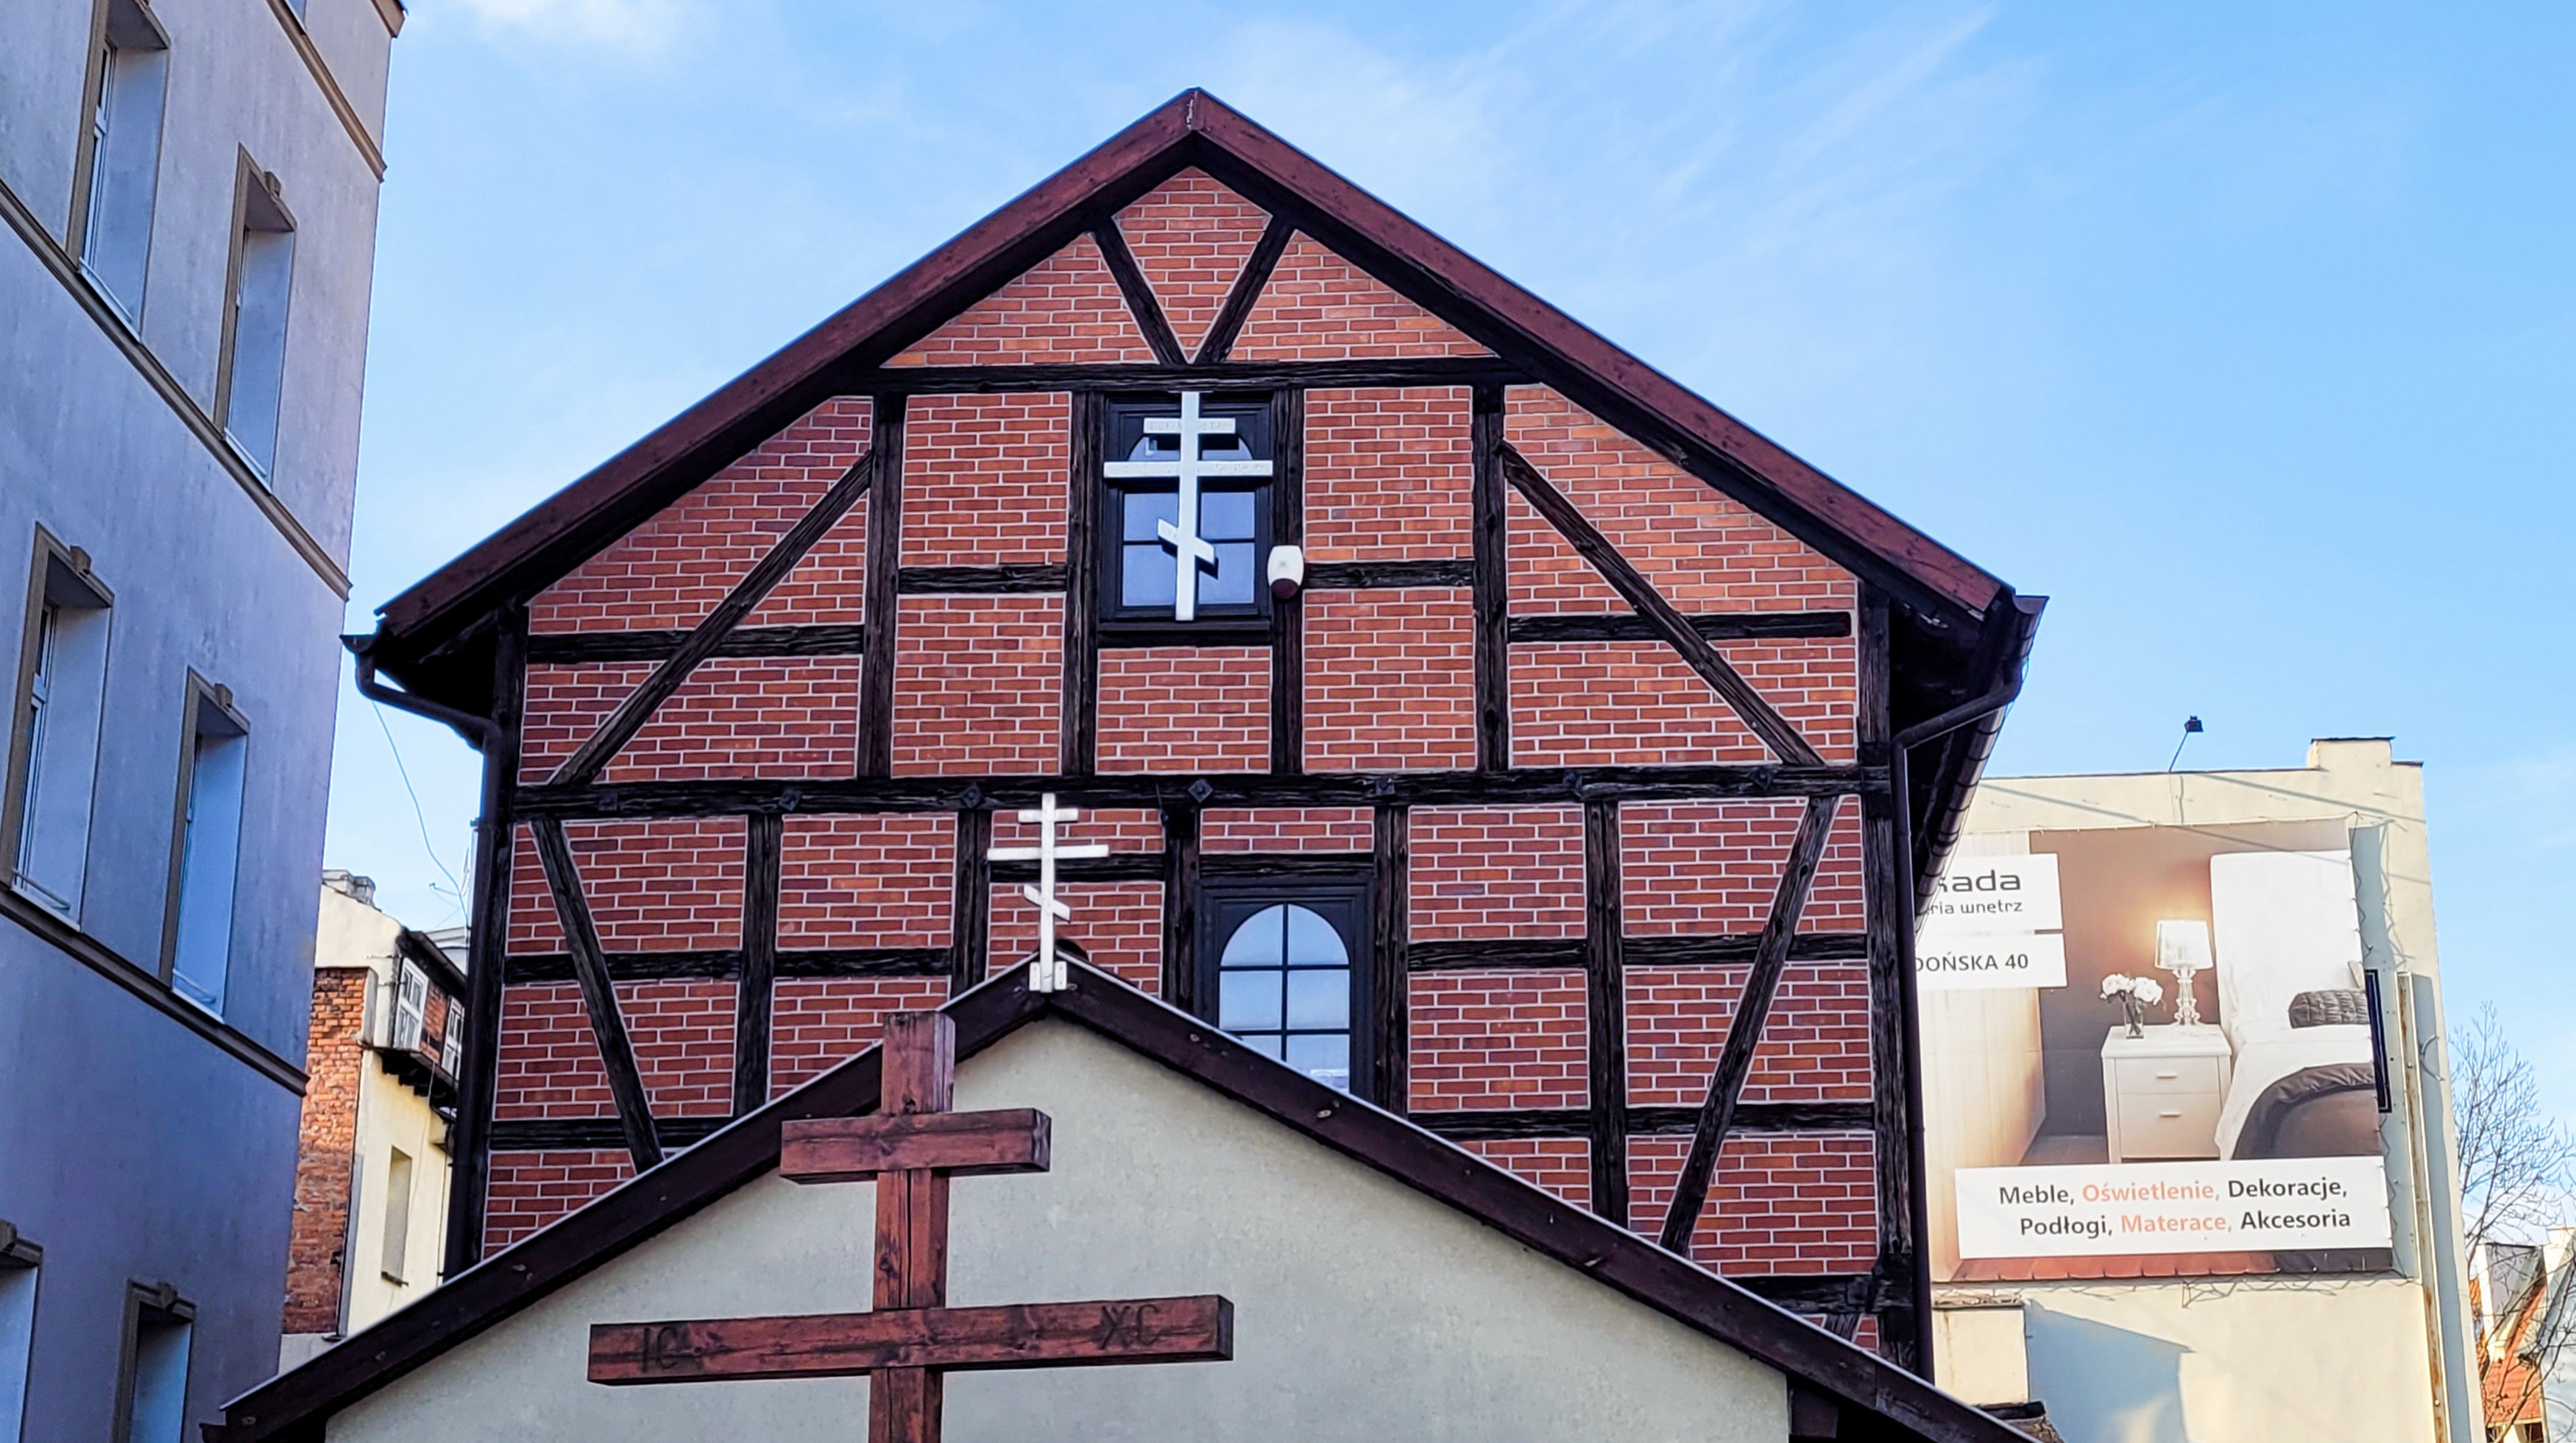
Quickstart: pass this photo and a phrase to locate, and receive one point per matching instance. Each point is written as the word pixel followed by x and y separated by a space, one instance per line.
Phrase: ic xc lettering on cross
pixel 910 1338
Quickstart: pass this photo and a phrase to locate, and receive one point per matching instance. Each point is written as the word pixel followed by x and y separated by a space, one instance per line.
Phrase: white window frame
pixel 411 1007
pixel 205 848
pixel 54 737
pixel 121 155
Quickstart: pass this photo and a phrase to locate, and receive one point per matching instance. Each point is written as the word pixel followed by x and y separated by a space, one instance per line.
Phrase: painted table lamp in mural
pixel 2182 948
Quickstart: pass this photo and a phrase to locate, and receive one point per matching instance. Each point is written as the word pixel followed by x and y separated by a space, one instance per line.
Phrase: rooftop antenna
pixel 2190 728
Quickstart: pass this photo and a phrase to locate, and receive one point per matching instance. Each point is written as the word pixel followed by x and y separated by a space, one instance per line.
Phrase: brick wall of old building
pixel 325 1147
pixel 1387 686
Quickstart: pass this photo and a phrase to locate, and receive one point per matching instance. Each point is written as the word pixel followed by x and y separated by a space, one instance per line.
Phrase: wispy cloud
pixel 632 27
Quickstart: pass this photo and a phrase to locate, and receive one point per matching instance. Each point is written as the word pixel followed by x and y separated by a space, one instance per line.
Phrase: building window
pixel 152 1401
pixel 209 847
pixel 54 750
pixel 132 71
pixel 19 1260
pixel 1144 540
pixel 1283 968
pixel 411 1008
pixel 251 373
pixel 397 1215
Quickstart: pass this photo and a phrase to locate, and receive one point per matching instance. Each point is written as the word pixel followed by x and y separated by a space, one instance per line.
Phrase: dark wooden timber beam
pixel 728 962
pixel 756 991
pixel 1236 376
pixel 1078 712
pixel 1605 989
pixel 598 994
pixel 1388 575
pixel 1675 628
pixel 1516 1122
pixel 883 585
pixel 486 948
pixel 1491 577
pixel 580 647
pixel 1288 614
pixel 1535 954
pixel 1716 626
pixel 1744 1030
pixel 1895 1048
pixel 970 907
pixel 1140 296
pixel 1390 923
pixel 1178 867
pixel 1522 786
pixel 1246 291
pixel 980 580
pixel 621 725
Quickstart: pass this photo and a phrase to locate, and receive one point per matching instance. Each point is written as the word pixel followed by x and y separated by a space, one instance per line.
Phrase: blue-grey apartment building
pixel 189 190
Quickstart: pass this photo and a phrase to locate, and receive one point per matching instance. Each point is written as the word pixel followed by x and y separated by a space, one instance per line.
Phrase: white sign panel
pixel 1972 963
pixel 2255 1206
pixel 1986 895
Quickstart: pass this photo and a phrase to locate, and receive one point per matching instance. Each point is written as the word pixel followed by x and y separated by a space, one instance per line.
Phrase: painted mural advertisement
pixel 2151 1051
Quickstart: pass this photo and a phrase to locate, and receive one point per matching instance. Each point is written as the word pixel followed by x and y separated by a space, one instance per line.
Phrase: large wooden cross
pixel 912 1146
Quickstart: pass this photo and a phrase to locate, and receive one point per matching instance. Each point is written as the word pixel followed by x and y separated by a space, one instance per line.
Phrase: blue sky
pixel 2245 337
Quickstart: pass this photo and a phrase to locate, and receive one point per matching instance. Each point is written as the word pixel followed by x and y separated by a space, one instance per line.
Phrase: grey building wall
pixel 140 1138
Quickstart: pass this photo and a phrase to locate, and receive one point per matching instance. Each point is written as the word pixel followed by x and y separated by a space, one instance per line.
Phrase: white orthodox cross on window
pixel 1186 469
pixel 1047 974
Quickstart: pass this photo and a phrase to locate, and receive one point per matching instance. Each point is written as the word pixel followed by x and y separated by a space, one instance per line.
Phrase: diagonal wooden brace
pixel 598 993
pixel 1667 620
pixel 1744 1032
pixel 702 641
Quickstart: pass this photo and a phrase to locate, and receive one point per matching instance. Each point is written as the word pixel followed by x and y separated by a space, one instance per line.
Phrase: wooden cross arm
pixel 967 1144
pixel 831 1345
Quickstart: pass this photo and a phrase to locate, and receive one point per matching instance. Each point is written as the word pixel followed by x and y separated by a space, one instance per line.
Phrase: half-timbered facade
pixel 1472 718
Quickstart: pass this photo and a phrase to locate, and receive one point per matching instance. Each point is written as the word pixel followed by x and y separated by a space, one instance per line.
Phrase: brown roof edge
pixel 958 273
pixel 924 282
pixel 1947 809
pixel 296 1405
pixel 1762 461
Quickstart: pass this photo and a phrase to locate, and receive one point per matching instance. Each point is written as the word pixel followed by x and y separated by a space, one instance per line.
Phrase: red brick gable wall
pixel 1191 236
pixel 1065 308
pixel 1388 685
pixel 1320 307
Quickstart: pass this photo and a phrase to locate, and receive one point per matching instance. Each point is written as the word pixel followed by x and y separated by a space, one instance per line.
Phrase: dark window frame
pixel 57 567
pixel 1121 423
pixel 157 1303
pixel 1346 900
pixel 204 698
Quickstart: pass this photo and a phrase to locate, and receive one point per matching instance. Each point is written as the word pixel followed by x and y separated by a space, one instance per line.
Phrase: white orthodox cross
pixel 1186 470
pixel 1047 974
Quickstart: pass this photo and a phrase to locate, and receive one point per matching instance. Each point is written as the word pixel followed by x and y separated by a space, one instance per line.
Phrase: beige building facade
pixel 372 1177
pixel 2146 1342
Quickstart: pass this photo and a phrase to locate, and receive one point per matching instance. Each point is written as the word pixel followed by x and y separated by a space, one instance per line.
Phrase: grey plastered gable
pixel 1379 1275
pixel 1364 1310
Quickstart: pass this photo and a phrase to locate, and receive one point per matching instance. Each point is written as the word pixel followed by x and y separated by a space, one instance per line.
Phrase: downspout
pixel 463 1244
pixel 1918 1167
pixel 478 731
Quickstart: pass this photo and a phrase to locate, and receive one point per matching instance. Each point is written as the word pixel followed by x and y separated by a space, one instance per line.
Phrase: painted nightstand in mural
pixel 2161 1092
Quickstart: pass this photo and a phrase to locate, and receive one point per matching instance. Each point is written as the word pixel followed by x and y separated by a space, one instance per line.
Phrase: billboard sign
pixel 2150 1041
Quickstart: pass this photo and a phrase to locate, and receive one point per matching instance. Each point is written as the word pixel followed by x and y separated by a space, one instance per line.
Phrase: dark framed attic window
pixel 1139 562
pixel 1285 967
